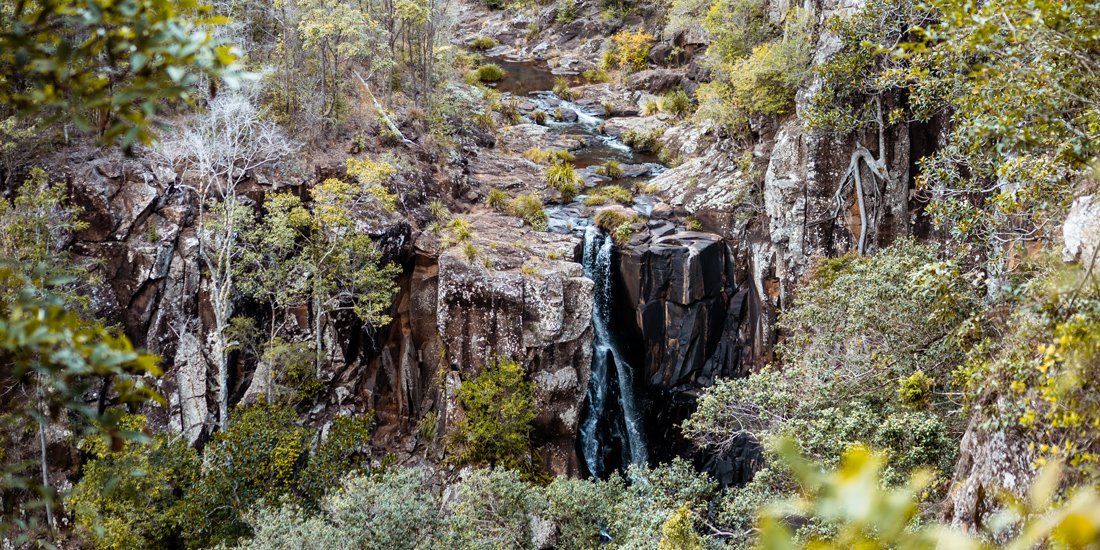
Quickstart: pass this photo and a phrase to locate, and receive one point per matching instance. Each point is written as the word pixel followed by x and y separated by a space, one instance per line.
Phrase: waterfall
pixel 597 266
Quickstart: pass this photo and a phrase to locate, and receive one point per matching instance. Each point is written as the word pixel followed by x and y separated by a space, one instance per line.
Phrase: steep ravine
pixel 666 313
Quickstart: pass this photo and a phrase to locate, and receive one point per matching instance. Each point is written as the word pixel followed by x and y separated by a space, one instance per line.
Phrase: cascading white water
pixel 597 266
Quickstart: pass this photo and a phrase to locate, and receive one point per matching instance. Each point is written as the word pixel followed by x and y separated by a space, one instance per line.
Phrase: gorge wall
pixel 695 305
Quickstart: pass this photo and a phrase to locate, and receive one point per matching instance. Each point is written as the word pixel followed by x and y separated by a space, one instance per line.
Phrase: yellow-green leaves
pixel 107 66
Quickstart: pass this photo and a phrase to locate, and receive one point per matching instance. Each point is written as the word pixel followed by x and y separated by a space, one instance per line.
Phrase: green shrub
pixel 439 211
pixel 608 194
pixel 497 199
pixel 258 458
pixel 563 90
pixel 470 251
pixel 495 509
pixel 642 140
pixel 529 208
pixel 611 169
pixel 539 117
pixel 598 74
pixel 460 230
pixel 755 76
pixel 617 224
pixel 345 451
pixel 390 509
pixel 693 224
pixel 629 49
pixel 562 174
pixel 547 156
pixel 568 192
pixel 651 108
pixel 483 43
pixel 500 407
pixel 130 498
pixel 678 532
pixel 856 508
pixel 489 72
pixel 677 103
pixel 566 12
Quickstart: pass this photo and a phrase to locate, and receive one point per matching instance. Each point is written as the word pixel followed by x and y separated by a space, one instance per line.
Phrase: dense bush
pixel 483 43
pixel 131 498
pixel 609 193
pixel 611 169
pixel 500 407
pixel 629 50
pixel 529 208
pixel 391 509
pixel 677 103
pixel 756 68
pixel 487 73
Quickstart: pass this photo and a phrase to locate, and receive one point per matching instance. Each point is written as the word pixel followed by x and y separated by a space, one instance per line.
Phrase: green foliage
pixel 548 156
pixel 563 89
pixel 561 174
pixel 916 389
pixel 393 508
pixel 643 140
pixel 497 199
pixel 566 11
pixel 74 59
pixel 629 50
pixel 460 230
pixel 853 76
pixel 677 103
pixel 57 356
pixel 842 363
pixel 439 211
pixel 483 43
pixel 616 223
pixel 130 498
pixel 343 452
pixel 38 226
pixel 539 117
pixel 1043 368
pixel 257 459
pixel 489 72
pixel 611 169
pixel 500 407
pixel 608 194
pixel 860 513
pixel 319 251
pixel 678 532
pixel 495 509
pixel 761 81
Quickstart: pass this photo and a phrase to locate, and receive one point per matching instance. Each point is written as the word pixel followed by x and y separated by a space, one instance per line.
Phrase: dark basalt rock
pixel 682 306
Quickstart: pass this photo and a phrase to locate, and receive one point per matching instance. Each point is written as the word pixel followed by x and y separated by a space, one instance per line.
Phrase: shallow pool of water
pixel 525 77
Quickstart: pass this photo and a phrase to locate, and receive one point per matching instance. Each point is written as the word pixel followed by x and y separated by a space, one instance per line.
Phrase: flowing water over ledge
pixel 612 431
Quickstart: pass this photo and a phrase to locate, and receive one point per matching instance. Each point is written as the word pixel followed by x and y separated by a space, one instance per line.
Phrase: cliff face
pixel 699 305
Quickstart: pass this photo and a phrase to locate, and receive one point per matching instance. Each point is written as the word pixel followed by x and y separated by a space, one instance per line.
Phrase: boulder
pixel 655 81
pixel 1081 230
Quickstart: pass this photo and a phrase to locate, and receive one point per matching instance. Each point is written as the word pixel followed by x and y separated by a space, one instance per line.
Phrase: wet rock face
pixel 680 287
pixel 682 306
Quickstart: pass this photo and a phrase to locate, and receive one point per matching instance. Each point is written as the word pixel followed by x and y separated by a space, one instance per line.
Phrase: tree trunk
pixel 46 489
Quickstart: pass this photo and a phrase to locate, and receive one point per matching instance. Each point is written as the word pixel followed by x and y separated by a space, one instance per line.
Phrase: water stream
pixel 612 431
pixel 606 351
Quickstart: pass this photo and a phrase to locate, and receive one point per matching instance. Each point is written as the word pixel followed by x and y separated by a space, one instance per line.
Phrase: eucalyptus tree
pixel 219 148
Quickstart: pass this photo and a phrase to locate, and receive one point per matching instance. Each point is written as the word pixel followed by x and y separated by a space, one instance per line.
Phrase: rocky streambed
pixel 667 306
